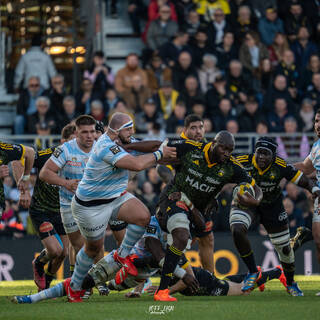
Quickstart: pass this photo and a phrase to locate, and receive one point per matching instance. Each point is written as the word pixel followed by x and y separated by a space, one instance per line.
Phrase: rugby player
pixel 11 152
pixel 194 130
pixel 268 170
pixel 45 215
pixel 65 169
pixel 203 171
pixel 102 195
pixel 310 165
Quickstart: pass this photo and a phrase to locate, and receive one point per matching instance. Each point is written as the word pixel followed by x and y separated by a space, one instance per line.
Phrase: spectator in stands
pixel 124 76
pixel 154 179
pixel 192 23
pixel 208 126
pixel 137 11
pixel 149 197
pixel 27 103
pixel 69 112
pixel 207 8
pixel 100 75
pixel 303 48
pixel 232 126
pixel 295 216
pixel 182 70
pixel 226 51
pixel 252 52
pixel 183 7
pixel 277 48
pixel 199 108
pixel 250 116
pixel 244 23
pixel 297 196
pixel 136 95
pixel 156 132
pixel 306 114
pixel 110 100
pixel 277 117
pixel 84 96
pixel 295 19
pixel 313 91
pixel 97 111
pixel 177 117
pixel 34 63
pixel 292 146
pixel 224 114
pixel 262 128
pixel 199 47
pixel 57 94
pixel 149 115
pixel 120 106
pixel 171 50
pixel 269 26
pixel 216 93
pixel 278 90
pixel 191 92
pixel 239 82
pixel 217 28
pixel 157 72
pixel 208 72
pixel 312 68
pixel 161 29
pixel 41 119
pixel 265 75
pixel 289 69
pixel 155 7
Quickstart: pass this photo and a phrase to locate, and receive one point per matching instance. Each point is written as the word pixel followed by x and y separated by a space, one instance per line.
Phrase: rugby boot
pixel 294 290
pixel 103 289
pixel 250 281
pixel 87 294
pixel 163 295
pixel 146 285
pixel 262 287
pixel 282 277
pixel 128 267
pixel 21 299
pixel 38 275
pixel 302 235
pixel 73 296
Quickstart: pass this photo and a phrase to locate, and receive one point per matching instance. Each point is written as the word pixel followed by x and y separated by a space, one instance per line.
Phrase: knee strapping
pixel 238 216
pixel 281 242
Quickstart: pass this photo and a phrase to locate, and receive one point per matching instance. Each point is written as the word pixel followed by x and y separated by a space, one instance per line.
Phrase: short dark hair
pixel 191 118
pixel 85 120
pixel 36 40
pixel 67 131
pixel 318 111
pixel 99 53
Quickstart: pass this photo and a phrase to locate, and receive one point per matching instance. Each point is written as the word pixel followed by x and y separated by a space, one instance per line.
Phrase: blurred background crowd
pixel 246 66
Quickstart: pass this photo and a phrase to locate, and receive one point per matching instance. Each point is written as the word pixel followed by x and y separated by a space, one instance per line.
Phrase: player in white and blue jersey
pixel 65 168
pixel 310 165
pixel 102 195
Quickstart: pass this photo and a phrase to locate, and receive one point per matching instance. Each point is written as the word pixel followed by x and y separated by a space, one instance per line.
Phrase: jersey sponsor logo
pixel 267 184
pixel 218 292
pixel 115 149
pixel 57 152
pixel 74 164
pixel 94 228
pixel 199 186
pixel 283 216
pixel 151 229
pixel 195 173
pixel 212 180
pixel 196 156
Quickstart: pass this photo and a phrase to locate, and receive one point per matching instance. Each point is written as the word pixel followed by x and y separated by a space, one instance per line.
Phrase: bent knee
pixel 238 230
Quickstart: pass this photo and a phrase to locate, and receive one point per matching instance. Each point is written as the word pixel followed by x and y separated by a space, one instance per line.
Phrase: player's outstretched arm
pixel 306 166
pixel 310 185
pixel 142 146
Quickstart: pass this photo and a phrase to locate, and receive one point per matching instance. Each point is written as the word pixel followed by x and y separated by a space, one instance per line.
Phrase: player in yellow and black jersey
pixel 268 170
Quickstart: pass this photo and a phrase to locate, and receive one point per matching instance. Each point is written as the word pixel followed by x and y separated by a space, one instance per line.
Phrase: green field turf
pixel 273 304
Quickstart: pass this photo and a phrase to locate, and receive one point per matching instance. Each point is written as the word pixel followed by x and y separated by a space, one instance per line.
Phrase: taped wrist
pixel 179 272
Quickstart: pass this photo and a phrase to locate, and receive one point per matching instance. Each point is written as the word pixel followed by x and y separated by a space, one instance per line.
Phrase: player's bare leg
pixel 76 243
pixel 206 248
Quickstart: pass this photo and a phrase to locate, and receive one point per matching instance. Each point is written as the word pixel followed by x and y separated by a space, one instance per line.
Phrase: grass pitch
pixel 274 303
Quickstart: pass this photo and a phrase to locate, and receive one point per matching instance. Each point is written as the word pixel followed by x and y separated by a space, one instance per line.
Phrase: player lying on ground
pixel 148 255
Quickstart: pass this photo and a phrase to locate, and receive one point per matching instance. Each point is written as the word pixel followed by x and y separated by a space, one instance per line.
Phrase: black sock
pixel 42 259
pixel 171 260
pixel 269 275
pixel 288 270
pixel 250 262
pixel 237 278
pixel 88 282
pixel 71 269
pixel 49 276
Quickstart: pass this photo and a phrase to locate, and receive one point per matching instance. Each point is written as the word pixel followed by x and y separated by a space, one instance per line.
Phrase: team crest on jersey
pixel 221 173
pixel 151 229
pixel 57 152
pixel 272 175
pixel 115 149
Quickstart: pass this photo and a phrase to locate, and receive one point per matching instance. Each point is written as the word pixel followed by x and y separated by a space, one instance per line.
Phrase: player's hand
pixel 72 185
pixel 180 196
pixel 152 290
pixel 191 282
pixel 247 200
pixel 316 195
pixel 169 152
pixel 23 186
pixel 4 171
pixel 25 199
pixel 133 295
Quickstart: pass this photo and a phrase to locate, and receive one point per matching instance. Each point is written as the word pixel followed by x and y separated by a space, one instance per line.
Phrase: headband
pixel 128 124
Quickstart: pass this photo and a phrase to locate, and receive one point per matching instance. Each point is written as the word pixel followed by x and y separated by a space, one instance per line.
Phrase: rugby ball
pixel 242 188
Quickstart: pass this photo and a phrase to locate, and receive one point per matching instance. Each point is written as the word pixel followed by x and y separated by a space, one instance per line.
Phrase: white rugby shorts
pixel 69 223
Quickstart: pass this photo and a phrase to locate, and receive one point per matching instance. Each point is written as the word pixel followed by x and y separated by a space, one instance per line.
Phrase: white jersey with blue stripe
pixel 71 160
pixel 314 156
pixel 102 179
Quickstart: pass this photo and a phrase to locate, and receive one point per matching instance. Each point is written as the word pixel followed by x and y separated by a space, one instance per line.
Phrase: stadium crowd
pixel 242 65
